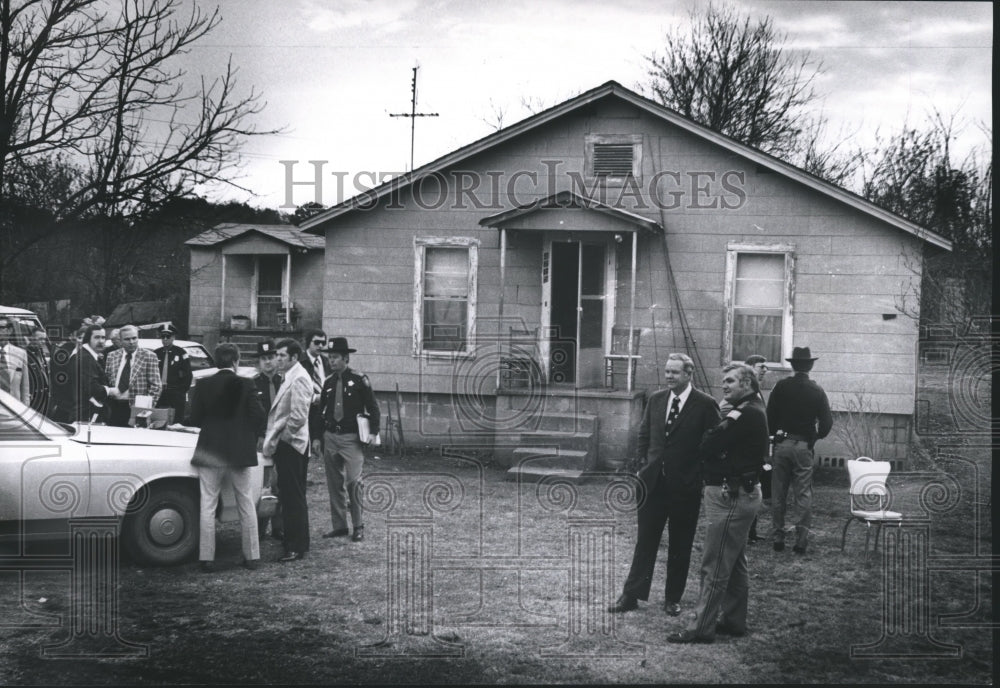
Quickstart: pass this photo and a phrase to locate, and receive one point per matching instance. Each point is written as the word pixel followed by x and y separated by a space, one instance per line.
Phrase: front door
pixel 575 304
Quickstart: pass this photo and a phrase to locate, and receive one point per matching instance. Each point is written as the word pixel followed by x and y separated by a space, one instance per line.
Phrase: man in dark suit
pixel 88 381
pixel 672 426
pixel 228 411
pixel 62 406
pixel 318 367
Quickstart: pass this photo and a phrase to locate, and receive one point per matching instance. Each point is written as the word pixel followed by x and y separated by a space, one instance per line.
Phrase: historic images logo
pixel 496 190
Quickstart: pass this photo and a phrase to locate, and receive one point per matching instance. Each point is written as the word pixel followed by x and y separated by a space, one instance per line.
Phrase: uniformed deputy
pixel 267 382
pixel 175 374
pixel 345 395
pixel 733 453
pixel 799 413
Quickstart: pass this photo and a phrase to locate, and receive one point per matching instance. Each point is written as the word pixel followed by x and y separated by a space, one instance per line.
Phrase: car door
pixel 44 478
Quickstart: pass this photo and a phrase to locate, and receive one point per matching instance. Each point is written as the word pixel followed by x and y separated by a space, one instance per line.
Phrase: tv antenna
pixel 413 114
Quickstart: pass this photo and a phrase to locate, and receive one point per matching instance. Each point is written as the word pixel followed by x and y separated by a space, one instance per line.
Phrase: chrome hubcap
pixel 166 526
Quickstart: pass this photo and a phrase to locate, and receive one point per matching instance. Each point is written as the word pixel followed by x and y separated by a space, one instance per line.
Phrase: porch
pixel 250 282
pixel 585 253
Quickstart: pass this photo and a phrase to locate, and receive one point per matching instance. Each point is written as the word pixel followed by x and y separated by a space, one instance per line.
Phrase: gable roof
pixel 565 200
pixel 613 88
pixel 287 234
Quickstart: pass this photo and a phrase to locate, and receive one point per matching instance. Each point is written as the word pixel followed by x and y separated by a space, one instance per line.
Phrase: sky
pixel 333 71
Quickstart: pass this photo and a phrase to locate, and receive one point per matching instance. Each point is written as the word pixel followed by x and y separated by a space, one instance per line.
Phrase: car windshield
pixel 24 325
pixel 199 357
pixel 19 422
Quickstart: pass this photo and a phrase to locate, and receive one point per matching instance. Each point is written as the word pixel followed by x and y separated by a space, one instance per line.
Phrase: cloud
pixel 355 14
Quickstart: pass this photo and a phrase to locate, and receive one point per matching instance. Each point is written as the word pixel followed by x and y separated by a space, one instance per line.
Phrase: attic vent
pixel 613 159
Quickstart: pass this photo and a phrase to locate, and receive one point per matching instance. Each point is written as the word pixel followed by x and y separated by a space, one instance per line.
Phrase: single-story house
pixel 252 281
pixel 524 291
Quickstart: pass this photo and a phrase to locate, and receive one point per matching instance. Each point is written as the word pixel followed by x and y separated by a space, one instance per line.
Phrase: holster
pixel 748 481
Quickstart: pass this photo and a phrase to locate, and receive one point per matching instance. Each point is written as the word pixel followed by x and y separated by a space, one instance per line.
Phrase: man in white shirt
pixel 14 377
pixel 318 367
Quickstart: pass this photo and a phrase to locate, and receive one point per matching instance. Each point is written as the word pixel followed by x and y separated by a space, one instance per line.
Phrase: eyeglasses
pixel 319 342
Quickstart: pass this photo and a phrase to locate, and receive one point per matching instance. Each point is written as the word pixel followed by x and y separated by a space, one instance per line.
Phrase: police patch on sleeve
pixel 365 381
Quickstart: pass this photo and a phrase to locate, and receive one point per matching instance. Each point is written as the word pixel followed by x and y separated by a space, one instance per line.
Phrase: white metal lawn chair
pixel 870 498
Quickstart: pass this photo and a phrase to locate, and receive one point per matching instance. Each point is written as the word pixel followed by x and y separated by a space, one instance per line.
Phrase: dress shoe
pixel 339 532
pixel 752 538
pixel 251 564
pixel 688 637
pixel 799 550
pixel 726 629
pixel 359 534
pixel 779 546
pixel 625 603
pixel 672 608
pixel 292 556
pixel 207 567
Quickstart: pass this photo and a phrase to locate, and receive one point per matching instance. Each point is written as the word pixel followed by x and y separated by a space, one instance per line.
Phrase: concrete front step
pixel 551 421
pixel 552 439
pixel 534 474
pixel 551 457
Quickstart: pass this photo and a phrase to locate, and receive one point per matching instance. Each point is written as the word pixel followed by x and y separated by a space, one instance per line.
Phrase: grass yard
pixel 479 580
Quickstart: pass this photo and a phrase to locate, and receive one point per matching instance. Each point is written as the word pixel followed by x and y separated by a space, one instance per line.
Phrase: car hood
pixel 103 434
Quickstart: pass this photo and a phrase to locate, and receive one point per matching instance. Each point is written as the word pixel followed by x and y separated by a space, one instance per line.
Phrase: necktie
pixel 125 377
pixel 166 367
pixel 276 382
pixel 338 401
pixel 4 373
pixel 318 371
pixel 675 409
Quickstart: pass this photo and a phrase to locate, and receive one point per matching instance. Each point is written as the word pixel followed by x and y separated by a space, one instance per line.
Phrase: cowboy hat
pixel 338 345
pixel 801 353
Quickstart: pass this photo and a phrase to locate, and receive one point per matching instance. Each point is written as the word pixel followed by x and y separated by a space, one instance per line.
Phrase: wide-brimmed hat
pixel 338 345
pixel 801 353
pixel 265 347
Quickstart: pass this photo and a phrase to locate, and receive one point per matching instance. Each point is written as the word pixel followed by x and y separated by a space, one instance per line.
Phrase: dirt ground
pixel 464 578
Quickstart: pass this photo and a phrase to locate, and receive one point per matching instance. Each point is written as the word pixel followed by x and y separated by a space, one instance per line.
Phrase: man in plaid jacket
pixel 133 371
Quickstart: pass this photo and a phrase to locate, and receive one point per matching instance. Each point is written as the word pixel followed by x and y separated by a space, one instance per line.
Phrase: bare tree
pixel 912 173
pixel 101 93
pixel 735 77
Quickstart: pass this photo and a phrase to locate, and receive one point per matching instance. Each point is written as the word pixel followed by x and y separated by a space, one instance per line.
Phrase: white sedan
pixel 51 473
pixel 202 363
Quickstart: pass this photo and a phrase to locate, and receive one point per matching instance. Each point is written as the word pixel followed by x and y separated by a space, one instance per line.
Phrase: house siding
pixel 850 268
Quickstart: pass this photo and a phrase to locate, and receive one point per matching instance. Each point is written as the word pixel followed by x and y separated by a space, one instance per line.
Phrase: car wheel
pixel 163 529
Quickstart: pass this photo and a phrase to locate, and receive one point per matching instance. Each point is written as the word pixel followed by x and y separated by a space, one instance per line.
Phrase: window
pixel 613 158
pixel 759 284
pixel 444 309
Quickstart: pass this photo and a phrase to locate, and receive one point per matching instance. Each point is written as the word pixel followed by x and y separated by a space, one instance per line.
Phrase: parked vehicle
pixel 52 472
pixel 25 322
pixel 202 363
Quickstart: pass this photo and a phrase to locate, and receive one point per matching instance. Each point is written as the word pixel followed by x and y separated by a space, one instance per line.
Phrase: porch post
pixel 503 276
pixel 631 315
pixel 287 288
pixel 222 306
